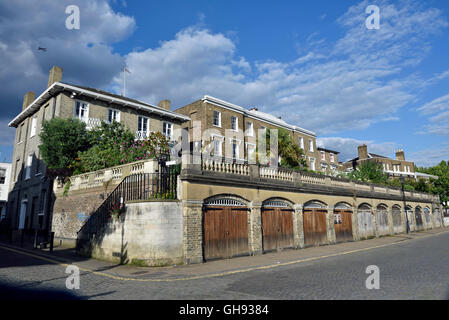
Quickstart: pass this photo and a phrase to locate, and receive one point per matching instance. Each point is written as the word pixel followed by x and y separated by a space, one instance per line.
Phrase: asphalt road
pixel 417 269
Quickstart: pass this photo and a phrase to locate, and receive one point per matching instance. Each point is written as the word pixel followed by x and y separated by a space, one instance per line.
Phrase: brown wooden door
pixel 225 232
pixel 277 228
pixel 315 232
pixel 343 225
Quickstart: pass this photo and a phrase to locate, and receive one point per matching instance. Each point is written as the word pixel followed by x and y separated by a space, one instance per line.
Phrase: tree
pixel 369 171
pixel 439 186
pixel 113 144
pixel 61 140
pixel 292 156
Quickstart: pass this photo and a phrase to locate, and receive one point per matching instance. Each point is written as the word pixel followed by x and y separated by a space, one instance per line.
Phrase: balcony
pixel 92 123
pixel 141 135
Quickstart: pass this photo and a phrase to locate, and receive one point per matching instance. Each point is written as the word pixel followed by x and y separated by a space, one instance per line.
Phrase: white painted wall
pixel 4 187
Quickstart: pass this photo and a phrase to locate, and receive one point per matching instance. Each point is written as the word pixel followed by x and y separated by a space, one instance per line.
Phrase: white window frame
pixel 33 127
pixel 86 115
pixel 168 125
pixel 332 157
pixel 220 140
pixel 312 161
pixel 237 154
pixel 251 156
pixel 219 119
pixel 250 129
pixel 311 149
pixel 29 164
pixel 111 112
pixel 301 142
pixel 236 123
pixel 323 156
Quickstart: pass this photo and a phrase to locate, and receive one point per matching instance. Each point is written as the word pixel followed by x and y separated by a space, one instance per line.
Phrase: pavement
pixel 219 268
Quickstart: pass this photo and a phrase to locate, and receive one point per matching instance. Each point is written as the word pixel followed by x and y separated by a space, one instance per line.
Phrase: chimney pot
pixel 164 104
pixel 27 99
pixel 55 75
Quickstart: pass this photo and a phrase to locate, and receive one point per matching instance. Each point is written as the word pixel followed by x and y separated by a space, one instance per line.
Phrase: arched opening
pixel 436 214
pixel 397 220
pixel 365 221
pixel 277 225
pixel 382 219
pixel 410 214
pixel 418 218
pixel 343 222
pixel 428 217
pixel 314 222
pixel 225 227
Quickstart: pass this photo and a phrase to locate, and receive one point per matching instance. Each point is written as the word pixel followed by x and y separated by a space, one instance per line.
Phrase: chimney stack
pixel 164 104
pixel 363 151
pixel 27 99
pixel 400 154
pixel 55 75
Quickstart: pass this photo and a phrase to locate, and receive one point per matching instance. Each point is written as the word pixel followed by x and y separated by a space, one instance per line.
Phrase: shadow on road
pixel 8 292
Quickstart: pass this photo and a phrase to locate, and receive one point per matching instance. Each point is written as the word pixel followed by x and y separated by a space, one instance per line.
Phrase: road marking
pixel 215 275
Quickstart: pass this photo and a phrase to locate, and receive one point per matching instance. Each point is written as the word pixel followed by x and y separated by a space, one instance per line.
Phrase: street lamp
pixel 401 178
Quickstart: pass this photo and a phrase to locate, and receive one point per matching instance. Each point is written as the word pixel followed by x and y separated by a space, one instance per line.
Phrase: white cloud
pixel 356 83
pixel 7 134
pixel 431 156
pixel 438 109
pixel 86 54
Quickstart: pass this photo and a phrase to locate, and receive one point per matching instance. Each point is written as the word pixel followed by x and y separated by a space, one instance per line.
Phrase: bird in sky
pixel 42 49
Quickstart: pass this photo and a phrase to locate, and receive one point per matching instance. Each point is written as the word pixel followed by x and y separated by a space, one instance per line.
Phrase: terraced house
pixel 30 192
pixel 212 119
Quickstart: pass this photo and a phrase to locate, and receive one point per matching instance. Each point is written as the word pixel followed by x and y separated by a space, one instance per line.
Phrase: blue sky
pixel 312 62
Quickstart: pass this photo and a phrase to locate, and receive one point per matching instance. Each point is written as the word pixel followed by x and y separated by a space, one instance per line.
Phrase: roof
pixel 258 115
pixel 328 150
pixel 58 87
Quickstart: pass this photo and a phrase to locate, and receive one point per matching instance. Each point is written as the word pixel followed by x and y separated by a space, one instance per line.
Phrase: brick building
pixel 216 119
pixel 30 192
pixel 328 160
pixel 393 167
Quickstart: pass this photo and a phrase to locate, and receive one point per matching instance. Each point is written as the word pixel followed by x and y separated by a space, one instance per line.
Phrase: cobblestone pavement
pixel 414 267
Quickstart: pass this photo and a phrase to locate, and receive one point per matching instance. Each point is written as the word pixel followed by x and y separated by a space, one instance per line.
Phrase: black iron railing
pixel 136 187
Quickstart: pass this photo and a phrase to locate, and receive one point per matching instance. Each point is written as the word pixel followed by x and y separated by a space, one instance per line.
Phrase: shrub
pixel 61 140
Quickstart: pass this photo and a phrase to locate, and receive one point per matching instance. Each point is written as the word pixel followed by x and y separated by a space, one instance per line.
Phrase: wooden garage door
pixel 397 220
pixel 277 228
pixel 365 224
pixel 410 220
pixel 225 232
pixel 315 227
pixel 382 221
pixel 343 225
pixel 418 218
